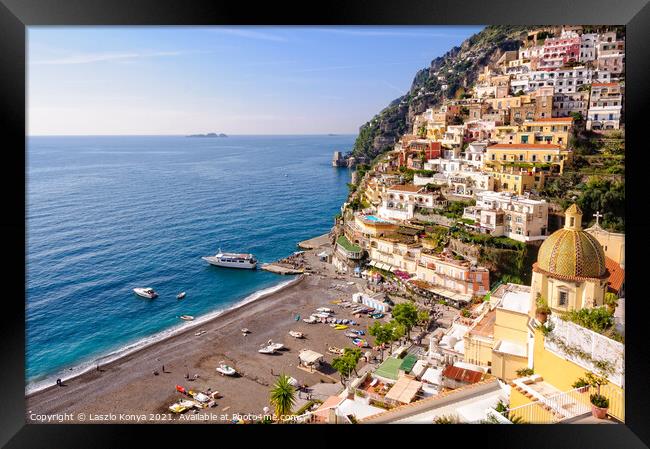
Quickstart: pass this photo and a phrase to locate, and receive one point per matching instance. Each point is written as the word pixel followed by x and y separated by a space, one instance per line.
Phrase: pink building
pixel 447 272
pixel 559 51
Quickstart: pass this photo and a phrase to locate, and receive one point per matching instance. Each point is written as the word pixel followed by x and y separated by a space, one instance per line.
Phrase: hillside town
pixel 519 293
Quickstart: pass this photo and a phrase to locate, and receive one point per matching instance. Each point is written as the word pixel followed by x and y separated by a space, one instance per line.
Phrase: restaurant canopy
pixel 404 390
pixel 309 357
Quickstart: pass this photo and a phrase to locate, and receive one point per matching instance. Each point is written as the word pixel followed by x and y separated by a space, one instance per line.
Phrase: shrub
pixel 599 319
pixel 525 372
pixel 580 382
pixel 599 400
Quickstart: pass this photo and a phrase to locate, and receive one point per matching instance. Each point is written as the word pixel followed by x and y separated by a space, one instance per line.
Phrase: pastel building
pixel 559 51
pixel 460 276
pixel 605 106
pixel 505 214
pixel 532 153
pixel 400 202
pixel 570 272
pixel 549 130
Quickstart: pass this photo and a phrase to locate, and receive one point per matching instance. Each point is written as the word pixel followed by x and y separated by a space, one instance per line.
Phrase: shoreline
pixel 117 355
pixel 145 380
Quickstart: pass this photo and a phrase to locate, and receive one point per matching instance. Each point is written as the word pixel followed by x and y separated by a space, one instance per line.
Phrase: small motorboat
pixel 340 327
pixel 296 334
pixel 245 331
pixel 276 346
pixel 181 295
pixel 324 310
pixel 377 315
pixel 351 334
pixel 226 370
pixel 186 317
pixel 335 350
pixel 266 350
pixel 359 332
pixel 146 292
pixel 310 320
pixel 345 321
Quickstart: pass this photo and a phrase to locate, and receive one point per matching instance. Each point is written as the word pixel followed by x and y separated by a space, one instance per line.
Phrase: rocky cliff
pixel 458 69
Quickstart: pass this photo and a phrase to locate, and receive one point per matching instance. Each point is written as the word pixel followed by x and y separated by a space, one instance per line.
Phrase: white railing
pixel 553 409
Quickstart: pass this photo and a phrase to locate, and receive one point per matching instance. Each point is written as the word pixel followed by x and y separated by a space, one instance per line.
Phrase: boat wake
pixel 89 365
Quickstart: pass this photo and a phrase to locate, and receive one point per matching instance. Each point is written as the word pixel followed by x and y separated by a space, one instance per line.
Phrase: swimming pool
pixel 375 219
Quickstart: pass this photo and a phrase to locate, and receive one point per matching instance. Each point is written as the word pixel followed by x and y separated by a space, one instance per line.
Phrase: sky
pixel 235 80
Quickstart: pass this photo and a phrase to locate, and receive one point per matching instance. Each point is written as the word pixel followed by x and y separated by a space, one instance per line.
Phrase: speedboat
pixel 186 317
pixel 267 350
pixel 226 370
pixel 146 292
pixel 296 334
pixel 232 260
pixel 181 295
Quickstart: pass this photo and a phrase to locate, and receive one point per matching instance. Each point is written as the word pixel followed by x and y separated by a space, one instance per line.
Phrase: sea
pixel 106 214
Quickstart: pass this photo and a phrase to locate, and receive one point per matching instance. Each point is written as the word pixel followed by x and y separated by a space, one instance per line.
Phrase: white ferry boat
pixel 232 260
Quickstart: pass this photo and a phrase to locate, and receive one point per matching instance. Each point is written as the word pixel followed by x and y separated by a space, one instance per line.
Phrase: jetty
pixel 315 242
pixel 281 269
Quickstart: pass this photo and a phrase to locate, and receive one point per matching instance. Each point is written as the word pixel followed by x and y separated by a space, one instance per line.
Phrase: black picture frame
pixel 16 15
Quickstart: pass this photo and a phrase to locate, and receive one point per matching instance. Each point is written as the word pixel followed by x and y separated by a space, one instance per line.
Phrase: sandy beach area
pixel 127 390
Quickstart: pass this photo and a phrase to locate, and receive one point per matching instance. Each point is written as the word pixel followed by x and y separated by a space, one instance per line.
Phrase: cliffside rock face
pixel 457 69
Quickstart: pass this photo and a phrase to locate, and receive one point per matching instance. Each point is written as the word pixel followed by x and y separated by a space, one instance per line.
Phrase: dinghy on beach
pixel 296 334
pixel 226 370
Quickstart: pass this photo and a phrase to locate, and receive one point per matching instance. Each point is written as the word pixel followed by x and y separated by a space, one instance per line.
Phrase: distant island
pixel 208 135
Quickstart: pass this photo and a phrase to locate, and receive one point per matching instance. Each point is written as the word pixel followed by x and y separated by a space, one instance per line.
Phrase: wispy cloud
pixel 387 33
pixel 250 34
pixel 88 58
pixel 395 88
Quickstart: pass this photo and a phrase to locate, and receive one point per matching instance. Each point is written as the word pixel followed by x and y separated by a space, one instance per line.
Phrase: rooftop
pixel 485 327
pixel 345 243
pixel 389 369
pixel 462 374
pixel 616 274
pixel 516 302
pixel 511 348
pixel 406 188
pixel 524 146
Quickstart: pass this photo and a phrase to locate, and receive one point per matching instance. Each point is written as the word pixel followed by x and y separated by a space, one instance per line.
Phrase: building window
pixel 563 298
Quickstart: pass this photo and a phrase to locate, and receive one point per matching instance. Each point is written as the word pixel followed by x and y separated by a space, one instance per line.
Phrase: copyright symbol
pixel 81 416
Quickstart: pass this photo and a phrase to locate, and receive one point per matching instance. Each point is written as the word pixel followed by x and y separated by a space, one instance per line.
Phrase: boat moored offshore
pixel 232 260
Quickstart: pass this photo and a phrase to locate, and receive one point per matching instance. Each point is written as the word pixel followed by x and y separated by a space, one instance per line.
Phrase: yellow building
pixel 395 252
pixel 371 226
pixel 571 274
pixel 613 243
pixel 546 130
pixel 528 155
pixel 511 349
pixel 517 181
pixel 570 271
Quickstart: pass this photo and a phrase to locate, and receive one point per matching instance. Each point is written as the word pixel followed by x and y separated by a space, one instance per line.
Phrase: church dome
pixel 572 252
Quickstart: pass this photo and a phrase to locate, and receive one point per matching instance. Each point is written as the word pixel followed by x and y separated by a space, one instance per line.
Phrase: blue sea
pixel 106 214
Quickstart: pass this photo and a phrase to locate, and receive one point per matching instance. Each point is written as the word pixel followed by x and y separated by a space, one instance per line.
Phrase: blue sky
pixel 237 80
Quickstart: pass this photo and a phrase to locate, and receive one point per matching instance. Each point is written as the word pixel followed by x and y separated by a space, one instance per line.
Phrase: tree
pixel 383 333
pixel 406 314
pixel 283 396
pixel 347 363
pixel 397 332
pixel 611 301
pixel 423 319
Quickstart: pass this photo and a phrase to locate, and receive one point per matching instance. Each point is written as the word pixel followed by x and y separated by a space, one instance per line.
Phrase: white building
pixel 588 43
pixel 605 105
pixel 564 81
pixel 401 201
pixel 505 214
pixel 565 104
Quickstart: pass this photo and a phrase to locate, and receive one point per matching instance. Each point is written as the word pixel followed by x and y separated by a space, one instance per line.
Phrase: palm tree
pixel 283 396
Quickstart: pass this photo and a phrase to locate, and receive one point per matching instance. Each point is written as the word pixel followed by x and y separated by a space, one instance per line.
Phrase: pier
pixel 316 242
pixel 280 269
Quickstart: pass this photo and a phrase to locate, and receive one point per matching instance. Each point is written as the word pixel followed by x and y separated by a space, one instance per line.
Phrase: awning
pixel 404 390
pixel 309 357
pixel 373 263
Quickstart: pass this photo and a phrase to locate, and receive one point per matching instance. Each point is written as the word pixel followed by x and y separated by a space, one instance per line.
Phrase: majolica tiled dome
pixel 572 252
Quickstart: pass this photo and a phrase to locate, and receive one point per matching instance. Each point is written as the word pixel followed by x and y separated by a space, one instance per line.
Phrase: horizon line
pixel 185 135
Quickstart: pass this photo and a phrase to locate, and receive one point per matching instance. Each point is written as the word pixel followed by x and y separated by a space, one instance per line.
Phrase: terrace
pixel 349 250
